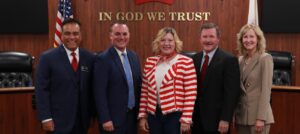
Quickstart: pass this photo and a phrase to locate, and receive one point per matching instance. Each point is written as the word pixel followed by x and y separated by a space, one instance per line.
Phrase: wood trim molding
pixel 16 89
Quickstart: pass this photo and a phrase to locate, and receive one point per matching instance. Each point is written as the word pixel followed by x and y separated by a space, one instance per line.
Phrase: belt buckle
pixel 129 109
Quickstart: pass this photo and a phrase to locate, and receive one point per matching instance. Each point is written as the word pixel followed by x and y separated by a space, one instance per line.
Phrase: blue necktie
pixel 127 69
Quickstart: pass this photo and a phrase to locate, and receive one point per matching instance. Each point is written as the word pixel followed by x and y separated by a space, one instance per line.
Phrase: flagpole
pixel 64 11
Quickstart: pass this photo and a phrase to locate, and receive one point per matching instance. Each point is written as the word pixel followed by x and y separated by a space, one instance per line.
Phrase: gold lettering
pixel 129 16
pixel 104 16
pixel 161 16
pixel 172 14
pixel 155 16
pixel 151 15
pixel 189 17
pixel 206 14
pixel 198 16
pixel 120 16
pixel 139 16
pixel 180 16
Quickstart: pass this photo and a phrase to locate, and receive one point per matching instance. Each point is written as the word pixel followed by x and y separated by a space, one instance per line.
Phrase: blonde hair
pixel 261 41
pixel 161 33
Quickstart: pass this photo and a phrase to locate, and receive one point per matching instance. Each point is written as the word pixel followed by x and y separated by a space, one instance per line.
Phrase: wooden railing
pixel 18 116
pixel 18 89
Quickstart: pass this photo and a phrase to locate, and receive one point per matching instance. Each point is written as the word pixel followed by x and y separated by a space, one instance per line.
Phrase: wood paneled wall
pixel 28 43
pixel 17 115
pixel 285 106
pixel 229 15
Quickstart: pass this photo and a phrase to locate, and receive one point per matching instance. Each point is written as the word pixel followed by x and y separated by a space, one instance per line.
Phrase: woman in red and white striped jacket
pixel 169 87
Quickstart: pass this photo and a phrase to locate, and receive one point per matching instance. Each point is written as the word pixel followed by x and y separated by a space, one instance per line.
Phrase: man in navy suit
pixel 116 95
pixel 218 79
pixel 63 84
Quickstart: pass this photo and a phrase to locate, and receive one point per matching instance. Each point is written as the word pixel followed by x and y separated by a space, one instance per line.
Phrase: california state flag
pixel 253 12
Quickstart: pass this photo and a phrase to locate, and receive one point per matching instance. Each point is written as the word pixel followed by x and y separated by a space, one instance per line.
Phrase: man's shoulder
pixel 50 52
pixel 86 52
pixel 131 52
pixel 197 56
pixel 225 54
pixel 104 53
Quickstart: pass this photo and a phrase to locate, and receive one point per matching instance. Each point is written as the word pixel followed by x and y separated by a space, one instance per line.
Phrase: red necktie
pixel 74 61
pixel 203 70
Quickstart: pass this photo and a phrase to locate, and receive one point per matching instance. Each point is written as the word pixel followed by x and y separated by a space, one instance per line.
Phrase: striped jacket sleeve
pixel 190 91
pixel 144 94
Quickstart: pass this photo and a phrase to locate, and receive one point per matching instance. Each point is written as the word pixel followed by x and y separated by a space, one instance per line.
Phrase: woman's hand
pixel 144 124
pixel 259 125
pixel 185 127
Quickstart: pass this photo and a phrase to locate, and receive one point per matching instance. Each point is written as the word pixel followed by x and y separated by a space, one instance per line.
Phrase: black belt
pixel 130 109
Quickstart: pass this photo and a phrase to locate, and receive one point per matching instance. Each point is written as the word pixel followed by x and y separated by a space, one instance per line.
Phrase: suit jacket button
pixel 248 84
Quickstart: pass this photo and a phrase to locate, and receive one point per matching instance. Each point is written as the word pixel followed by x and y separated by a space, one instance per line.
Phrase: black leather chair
pixel 283 62
pixel 15 69
pixel 189 53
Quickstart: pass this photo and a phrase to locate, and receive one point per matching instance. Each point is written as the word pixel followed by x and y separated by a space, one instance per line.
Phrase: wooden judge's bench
pixel 18 116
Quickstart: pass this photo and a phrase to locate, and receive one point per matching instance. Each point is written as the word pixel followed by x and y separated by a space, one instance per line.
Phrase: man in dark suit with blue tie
pixel 117 84
pixel 218 79
pixel 63 84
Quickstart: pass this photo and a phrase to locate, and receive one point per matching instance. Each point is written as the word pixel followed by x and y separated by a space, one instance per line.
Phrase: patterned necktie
pixel 74 61
pixel 203 69
pixel 127 69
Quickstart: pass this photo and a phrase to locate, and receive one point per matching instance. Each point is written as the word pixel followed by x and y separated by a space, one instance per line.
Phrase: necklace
pixel 247 60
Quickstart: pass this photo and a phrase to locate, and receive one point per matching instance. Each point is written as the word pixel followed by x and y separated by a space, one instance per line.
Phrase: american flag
pixel 64 12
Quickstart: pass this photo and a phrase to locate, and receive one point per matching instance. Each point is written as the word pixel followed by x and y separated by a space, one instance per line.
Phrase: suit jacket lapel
pixel 241 65
pixel 66 62
pixel 215 59
pixel 150 73
pixel 82 66
pixel 117 60
pixel 132 62
pixel 197 62
pixel 171 73
pixel 248 68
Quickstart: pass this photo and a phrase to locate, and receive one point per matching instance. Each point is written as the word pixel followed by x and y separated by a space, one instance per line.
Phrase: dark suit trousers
pixel 164 124
pixel 197 127
pixel 77 128
pixel 129 127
